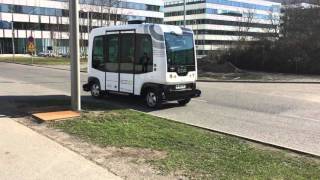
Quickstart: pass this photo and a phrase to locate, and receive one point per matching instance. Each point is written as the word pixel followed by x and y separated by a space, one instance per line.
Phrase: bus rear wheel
pixel 153 99
pixel 95 90
pixel 184 101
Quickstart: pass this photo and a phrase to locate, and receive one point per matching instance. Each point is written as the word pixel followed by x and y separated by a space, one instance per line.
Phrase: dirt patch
pixel 128 163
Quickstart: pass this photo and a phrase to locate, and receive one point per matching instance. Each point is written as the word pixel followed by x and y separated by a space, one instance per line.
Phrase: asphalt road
pixel 284 115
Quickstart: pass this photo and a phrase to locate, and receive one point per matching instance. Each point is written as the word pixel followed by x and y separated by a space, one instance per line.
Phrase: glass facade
pixel 247 19
pixel 273 8
pixel 9 8
pixel 55 27
pixel 121 4
pixel 218 12
pixel 219 22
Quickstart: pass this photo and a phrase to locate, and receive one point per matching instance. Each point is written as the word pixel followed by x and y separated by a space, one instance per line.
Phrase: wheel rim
pixel 151 99
pixel 95 90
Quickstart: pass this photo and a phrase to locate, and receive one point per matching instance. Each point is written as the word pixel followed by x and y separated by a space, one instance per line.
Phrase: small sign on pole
pixel 31 48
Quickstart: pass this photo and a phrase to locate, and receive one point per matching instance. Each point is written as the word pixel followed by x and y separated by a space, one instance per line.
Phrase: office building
pixel 47 21
pixel 218 24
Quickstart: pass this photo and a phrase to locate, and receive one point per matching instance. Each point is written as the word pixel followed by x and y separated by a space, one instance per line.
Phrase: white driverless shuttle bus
pixel 157 62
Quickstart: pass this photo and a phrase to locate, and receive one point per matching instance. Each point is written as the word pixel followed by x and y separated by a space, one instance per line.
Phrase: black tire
pixel 153 98
pixel 95 90
pixel 184 101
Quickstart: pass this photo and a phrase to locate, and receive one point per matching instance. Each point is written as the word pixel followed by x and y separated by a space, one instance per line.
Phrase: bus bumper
pixel 180 95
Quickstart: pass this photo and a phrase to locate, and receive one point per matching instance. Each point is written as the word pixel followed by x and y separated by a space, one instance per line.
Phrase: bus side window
pixel 127 53
pixel 97 54
pixel 144 55
pixel 112 53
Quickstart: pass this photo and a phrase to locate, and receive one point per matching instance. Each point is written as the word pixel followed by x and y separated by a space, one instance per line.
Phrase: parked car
pixel 64 55
pixel 46 54
pixel 43 54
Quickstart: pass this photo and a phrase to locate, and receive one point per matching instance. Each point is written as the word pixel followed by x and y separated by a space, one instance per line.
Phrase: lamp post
pixel 12 39
pixel 75 57
pixel 184 12
pixel 88 26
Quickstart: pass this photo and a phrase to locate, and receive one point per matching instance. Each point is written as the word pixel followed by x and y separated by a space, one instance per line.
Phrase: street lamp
pixel 184 12
pixel 75 57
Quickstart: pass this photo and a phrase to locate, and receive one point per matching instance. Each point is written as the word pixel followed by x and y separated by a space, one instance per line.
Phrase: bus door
pixel 126 63
pixel 97 68
pixel 112 51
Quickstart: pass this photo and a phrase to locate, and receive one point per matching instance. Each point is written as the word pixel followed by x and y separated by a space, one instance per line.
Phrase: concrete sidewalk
pixel 25 154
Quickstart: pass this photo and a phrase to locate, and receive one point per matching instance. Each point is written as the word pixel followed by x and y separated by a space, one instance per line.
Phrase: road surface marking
pixel 299 117
pixel 200 100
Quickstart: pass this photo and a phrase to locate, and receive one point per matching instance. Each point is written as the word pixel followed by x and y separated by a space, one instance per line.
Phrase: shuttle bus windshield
pixel 180 49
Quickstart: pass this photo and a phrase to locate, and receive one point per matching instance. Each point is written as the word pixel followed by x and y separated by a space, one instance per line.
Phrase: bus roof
pixel 141 28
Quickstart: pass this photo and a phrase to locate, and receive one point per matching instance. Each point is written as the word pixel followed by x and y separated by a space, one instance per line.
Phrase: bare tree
pixel 274 28
pixel 245 25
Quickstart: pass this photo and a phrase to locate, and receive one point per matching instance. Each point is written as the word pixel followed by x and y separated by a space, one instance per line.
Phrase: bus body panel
pixel 126 83
pixel 112 81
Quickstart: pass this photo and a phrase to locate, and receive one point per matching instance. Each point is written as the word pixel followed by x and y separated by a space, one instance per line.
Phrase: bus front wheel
pixel 184 101
pixel 95 90
pixel 153 99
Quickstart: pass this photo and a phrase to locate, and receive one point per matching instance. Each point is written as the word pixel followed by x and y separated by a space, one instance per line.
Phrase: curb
pixel 36 65
pixel 262 82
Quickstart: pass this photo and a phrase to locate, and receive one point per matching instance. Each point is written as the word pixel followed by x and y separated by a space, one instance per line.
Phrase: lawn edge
pixel 299 152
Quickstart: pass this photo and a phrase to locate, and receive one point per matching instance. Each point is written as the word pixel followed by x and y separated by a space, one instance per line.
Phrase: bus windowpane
pixel 97 54
pixel 113 53
pixel 127 53
pixel 144 60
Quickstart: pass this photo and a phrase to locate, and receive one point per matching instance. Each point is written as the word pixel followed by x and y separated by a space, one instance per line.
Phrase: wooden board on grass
pixel 58 115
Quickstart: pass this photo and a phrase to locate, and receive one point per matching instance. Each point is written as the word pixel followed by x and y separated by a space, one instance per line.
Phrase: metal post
pixel 32 36
pixel 13 49
pixel 88 31
pixel 75 58
pixel 184 13
pixel 101 20
pixel 88 23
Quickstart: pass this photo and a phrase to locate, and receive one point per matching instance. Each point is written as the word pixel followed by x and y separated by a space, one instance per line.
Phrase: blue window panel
pixel 5 25
pixel 58 12
pixel 237 13
pixel 276 8
pixel 6 8
pixel 126 5
pixel 240 4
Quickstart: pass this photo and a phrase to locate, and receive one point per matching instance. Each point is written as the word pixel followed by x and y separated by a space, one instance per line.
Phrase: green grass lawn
pixel 39 60
pixel 199 153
